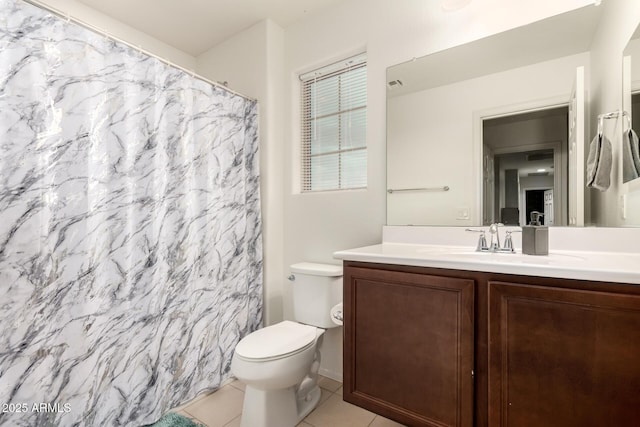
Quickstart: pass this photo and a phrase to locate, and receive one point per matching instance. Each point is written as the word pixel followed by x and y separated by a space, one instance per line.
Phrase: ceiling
pixel 525 165
pixel 195 26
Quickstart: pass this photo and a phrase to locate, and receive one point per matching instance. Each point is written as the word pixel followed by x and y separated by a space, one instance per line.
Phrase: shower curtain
pixel 130 229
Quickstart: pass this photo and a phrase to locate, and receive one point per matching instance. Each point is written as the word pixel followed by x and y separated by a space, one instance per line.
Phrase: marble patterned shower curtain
pixel 130 233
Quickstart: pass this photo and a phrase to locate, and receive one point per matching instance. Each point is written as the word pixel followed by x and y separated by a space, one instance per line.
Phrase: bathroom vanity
pixel 444 336
pixel 439 335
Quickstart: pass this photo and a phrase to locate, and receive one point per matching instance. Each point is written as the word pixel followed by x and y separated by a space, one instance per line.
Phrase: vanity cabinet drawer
pixel 409 342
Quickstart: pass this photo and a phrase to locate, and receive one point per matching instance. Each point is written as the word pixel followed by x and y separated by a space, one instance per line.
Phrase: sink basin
pixel 442 250
pixel 502 257
pixel 468 254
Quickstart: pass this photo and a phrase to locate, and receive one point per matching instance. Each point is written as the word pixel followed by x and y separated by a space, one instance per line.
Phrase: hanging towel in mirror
pixel 599 163
pixel 630 156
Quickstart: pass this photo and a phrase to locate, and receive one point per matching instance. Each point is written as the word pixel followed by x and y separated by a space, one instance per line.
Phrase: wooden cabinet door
pixel 409 346
pixel 563 357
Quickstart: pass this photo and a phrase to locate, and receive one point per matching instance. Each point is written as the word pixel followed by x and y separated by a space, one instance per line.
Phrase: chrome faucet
pixel 495 241
pixel 494 246
pixel 482 240
pixel 508 243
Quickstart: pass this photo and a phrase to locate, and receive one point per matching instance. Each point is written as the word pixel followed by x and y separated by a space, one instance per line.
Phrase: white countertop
pixel 620 267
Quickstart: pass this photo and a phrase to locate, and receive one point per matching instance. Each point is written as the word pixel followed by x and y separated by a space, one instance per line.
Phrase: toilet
pixel 279 363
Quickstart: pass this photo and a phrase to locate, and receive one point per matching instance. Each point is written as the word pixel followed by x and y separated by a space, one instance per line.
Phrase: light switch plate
pixel 462 213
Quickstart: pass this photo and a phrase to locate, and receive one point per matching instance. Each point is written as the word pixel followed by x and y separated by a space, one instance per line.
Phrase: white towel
pixel 599 163
pixel 630 156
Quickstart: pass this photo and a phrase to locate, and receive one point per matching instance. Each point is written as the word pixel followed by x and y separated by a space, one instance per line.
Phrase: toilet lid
pixel 276 340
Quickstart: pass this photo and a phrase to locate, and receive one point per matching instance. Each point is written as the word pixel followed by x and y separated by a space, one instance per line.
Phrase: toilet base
pixel 307 403
pixel 278 408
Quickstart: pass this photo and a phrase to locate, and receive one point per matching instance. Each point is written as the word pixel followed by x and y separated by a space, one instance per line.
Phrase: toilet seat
pixel 276 341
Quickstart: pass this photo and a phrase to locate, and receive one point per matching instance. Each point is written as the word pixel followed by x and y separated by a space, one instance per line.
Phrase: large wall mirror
pixel 631 106
pixel 492 130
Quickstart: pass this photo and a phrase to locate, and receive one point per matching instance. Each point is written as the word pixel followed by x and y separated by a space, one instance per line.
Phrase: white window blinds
pixel 334 126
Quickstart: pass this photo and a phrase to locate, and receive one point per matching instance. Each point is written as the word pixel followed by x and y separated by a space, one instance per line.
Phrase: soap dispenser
pixel 535 237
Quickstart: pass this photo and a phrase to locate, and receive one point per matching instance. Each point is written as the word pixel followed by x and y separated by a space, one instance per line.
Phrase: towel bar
pixel 612 115
pixel 445 188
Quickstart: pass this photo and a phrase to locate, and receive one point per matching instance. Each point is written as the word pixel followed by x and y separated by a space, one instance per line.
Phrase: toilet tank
pixel 316 289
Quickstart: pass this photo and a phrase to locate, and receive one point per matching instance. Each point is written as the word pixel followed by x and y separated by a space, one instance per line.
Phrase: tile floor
pixel 224 407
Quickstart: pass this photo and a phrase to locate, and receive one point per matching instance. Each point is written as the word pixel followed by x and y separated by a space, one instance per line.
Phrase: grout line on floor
pixel 229 423
pixel 195 400
pixel 236 387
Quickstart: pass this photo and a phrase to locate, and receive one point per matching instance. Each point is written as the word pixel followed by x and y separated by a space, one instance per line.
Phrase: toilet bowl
pixel 279 363
pixel 275 393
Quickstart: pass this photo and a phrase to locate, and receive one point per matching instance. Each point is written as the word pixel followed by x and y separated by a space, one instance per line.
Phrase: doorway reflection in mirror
pixel 525 167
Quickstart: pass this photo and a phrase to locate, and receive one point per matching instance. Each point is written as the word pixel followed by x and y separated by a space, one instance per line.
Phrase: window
pixel 334 126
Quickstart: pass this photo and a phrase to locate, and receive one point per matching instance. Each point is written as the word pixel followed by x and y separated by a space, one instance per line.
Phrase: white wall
pixel 316 225
pixel 619 21
pixel 427 126
pixel 252 63
pixel 124 32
